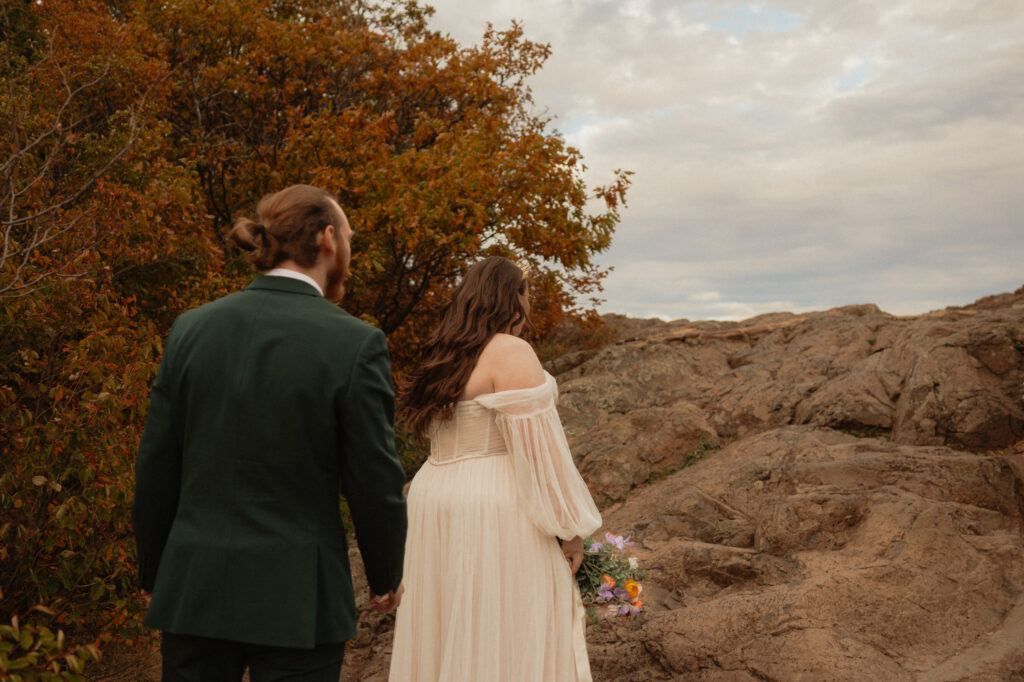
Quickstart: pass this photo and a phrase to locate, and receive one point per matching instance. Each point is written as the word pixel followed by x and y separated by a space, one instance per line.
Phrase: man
pixel 266 404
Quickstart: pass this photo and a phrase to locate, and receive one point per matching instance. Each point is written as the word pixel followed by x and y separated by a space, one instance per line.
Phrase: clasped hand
pixel 572 550
pixel 388 602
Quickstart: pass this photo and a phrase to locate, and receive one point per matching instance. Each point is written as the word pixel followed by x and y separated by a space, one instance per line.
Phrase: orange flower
pixel 608 580
pixel 638 604
pixel 633 588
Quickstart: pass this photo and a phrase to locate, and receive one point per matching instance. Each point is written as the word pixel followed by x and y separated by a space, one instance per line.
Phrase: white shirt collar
pixel 302 277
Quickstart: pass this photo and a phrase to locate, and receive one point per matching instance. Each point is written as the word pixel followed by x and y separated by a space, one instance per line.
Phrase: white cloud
pixel 804 153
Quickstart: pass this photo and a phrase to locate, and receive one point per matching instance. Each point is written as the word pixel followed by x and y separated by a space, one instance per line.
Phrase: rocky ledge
pixel 825 496
pixel 953 377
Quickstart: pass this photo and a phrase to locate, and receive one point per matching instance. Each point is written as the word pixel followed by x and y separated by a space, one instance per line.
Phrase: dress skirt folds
pixel 488 594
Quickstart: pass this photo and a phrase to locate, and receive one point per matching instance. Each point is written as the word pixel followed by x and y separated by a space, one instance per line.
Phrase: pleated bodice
pixel 471 432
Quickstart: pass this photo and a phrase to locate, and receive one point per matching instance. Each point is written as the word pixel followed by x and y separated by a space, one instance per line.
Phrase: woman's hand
pixel 572 550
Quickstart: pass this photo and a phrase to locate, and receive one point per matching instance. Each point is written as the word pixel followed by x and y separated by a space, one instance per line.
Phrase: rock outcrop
pixel 953 377
pixel 855 512
pixel 805 553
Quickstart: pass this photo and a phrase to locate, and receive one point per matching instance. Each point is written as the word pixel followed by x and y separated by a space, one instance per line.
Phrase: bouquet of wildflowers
pixel 608 577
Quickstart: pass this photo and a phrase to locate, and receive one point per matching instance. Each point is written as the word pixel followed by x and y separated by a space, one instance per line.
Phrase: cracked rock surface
pixel 856 513
pixel 804 553
pixel 952 377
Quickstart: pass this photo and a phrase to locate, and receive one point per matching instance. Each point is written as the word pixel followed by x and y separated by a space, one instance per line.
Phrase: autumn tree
pixel 131 133
pixel 432 147
pixel 86 192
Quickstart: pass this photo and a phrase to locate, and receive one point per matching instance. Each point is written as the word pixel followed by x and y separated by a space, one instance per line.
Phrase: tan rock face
pixel 953 377
pixel 803 553
pixel 800 551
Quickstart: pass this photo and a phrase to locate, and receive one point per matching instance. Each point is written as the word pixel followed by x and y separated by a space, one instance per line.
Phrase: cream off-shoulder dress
pixel 488 595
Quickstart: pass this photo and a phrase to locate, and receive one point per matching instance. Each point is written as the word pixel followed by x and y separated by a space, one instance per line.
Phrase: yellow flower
pixel 633 588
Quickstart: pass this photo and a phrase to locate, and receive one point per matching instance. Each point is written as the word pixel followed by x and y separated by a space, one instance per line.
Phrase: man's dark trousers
pixel 202 659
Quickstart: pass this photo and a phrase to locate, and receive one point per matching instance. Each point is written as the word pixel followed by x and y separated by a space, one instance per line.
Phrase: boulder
pixel 953 377
pixel 857 559
pixel 620 451
pixel 857 522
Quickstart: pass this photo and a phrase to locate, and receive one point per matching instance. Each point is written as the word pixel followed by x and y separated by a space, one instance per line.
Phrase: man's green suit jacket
pixel 266 404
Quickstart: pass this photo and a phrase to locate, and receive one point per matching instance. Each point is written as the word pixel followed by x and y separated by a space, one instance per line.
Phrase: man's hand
pixel 389 602
pixel 572 550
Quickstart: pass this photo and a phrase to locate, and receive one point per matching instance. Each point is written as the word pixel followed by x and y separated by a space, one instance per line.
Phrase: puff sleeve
pixel 552 491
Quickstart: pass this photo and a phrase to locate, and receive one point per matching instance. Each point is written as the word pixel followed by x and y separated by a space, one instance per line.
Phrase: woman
pixel 489 594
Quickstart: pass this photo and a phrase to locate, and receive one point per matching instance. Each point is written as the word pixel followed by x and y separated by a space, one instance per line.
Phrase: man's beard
pixel 336 277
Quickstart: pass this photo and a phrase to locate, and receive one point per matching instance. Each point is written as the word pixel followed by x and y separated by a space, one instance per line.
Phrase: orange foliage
pixel 430 146
pixel 132 132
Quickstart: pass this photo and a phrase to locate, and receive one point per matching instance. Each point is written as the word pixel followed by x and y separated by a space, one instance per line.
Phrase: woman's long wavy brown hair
pixel 485 303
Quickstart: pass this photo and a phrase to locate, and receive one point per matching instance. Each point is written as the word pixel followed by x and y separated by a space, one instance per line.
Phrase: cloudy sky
pixel 792 155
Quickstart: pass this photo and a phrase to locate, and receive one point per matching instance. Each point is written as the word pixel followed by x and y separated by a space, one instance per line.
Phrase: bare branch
pixel 16 288
pixel 57 126
pixel 86 185
pixel 46 222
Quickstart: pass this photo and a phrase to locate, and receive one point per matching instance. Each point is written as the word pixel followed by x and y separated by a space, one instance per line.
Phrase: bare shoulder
pixel 512 363
pixel 506 346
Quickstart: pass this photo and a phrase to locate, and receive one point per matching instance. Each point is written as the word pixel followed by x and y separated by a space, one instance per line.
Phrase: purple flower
pixel 617 540
pixel 604 593
pixel 623 610
pixel 595 547
pixel 614 540
pixel 620 593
